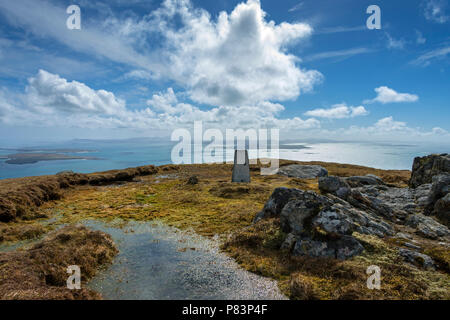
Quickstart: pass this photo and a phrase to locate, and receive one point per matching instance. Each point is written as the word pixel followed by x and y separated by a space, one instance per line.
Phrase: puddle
pixel 158 262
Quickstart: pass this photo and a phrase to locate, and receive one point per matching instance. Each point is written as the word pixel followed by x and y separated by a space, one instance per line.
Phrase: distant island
pixel 48 150
pixel 29 158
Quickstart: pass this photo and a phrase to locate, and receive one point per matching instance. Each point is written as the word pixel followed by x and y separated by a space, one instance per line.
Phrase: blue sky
pixel 145 68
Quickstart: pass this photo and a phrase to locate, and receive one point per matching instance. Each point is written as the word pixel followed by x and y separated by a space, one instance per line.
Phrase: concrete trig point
pixel 241 167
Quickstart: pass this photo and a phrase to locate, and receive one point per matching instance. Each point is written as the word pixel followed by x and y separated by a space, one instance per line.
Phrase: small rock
pixel 412 246
pixel 342 249
pixel 334 185
pixel 402 235
pixel 347 247
pixel 427 226
pixel 367 180
pixel 417 258
pixel 192 180
pixel 289 242
pixel 343 192
pixel 313 248
pixel 303 171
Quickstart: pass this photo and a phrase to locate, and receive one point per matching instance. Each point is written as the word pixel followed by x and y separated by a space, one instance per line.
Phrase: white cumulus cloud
pixel 238 58
pixel 51 100
pixel 389 124
pixel 388 95
pixel 49 92
pixel 338 111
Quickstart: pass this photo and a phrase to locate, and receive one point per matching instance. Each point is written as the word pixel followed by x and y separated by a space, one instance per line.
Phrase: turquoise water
pixel 111 154
pixel 121 154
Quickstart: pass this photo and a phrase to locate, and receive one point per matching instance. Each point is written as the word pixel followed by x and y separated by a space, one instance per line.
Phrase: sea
pixel 119 154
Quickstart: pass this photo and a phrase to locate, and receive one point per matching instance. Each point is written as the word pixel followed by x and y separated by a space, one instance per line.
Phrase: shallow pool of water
pixel 158 262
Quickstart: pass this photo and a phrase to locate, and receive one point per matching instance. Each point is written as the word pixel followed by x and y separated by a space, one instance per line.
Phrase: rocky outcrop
pixel 425 168
pixel 433 170
pixel 321 226
pixel 303 171
pixel 371 193
pixel 427 227
pixel 401 201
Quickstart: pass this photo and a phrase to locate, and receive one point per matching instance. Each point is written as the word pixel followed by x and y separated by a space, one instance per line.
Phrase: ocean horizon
pixel 102 155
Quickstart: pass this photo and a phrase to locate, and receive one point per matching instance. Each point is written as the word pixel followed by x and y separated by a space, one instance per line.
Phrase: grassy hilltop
pixel 215 206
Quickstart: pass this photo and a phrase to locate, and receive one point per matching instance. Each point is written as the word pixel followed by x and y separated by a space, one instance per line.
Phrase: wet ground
pixel 158 262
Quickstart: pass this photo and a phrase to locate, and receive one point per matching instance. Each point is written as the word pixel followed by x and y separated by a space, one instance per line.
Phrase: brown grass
pixel 40 272
pixel 19 197
pixel 22 231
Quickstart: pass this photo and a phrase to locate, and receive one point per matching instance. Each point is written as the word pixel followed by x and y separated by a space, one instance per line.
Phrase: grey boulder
pixel 367 180
pixel 334 185
pixel 343 248
pixel 303 171
pixel 427 227
pixel 279 198
pixel 417 258
pixel 305 206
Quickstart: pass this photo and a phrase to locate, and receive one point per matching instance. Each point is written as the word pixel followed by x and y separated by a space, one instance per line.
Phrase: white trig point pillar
pixel 241 167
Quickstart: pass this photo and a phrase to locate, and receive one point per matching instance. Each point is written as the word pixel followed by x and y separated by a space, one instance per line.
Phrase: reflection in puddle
pixel 158 262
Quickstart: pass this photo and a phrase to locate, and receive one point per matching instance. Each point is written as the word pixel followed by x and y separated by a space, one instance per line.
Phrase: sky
pixel 144 68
